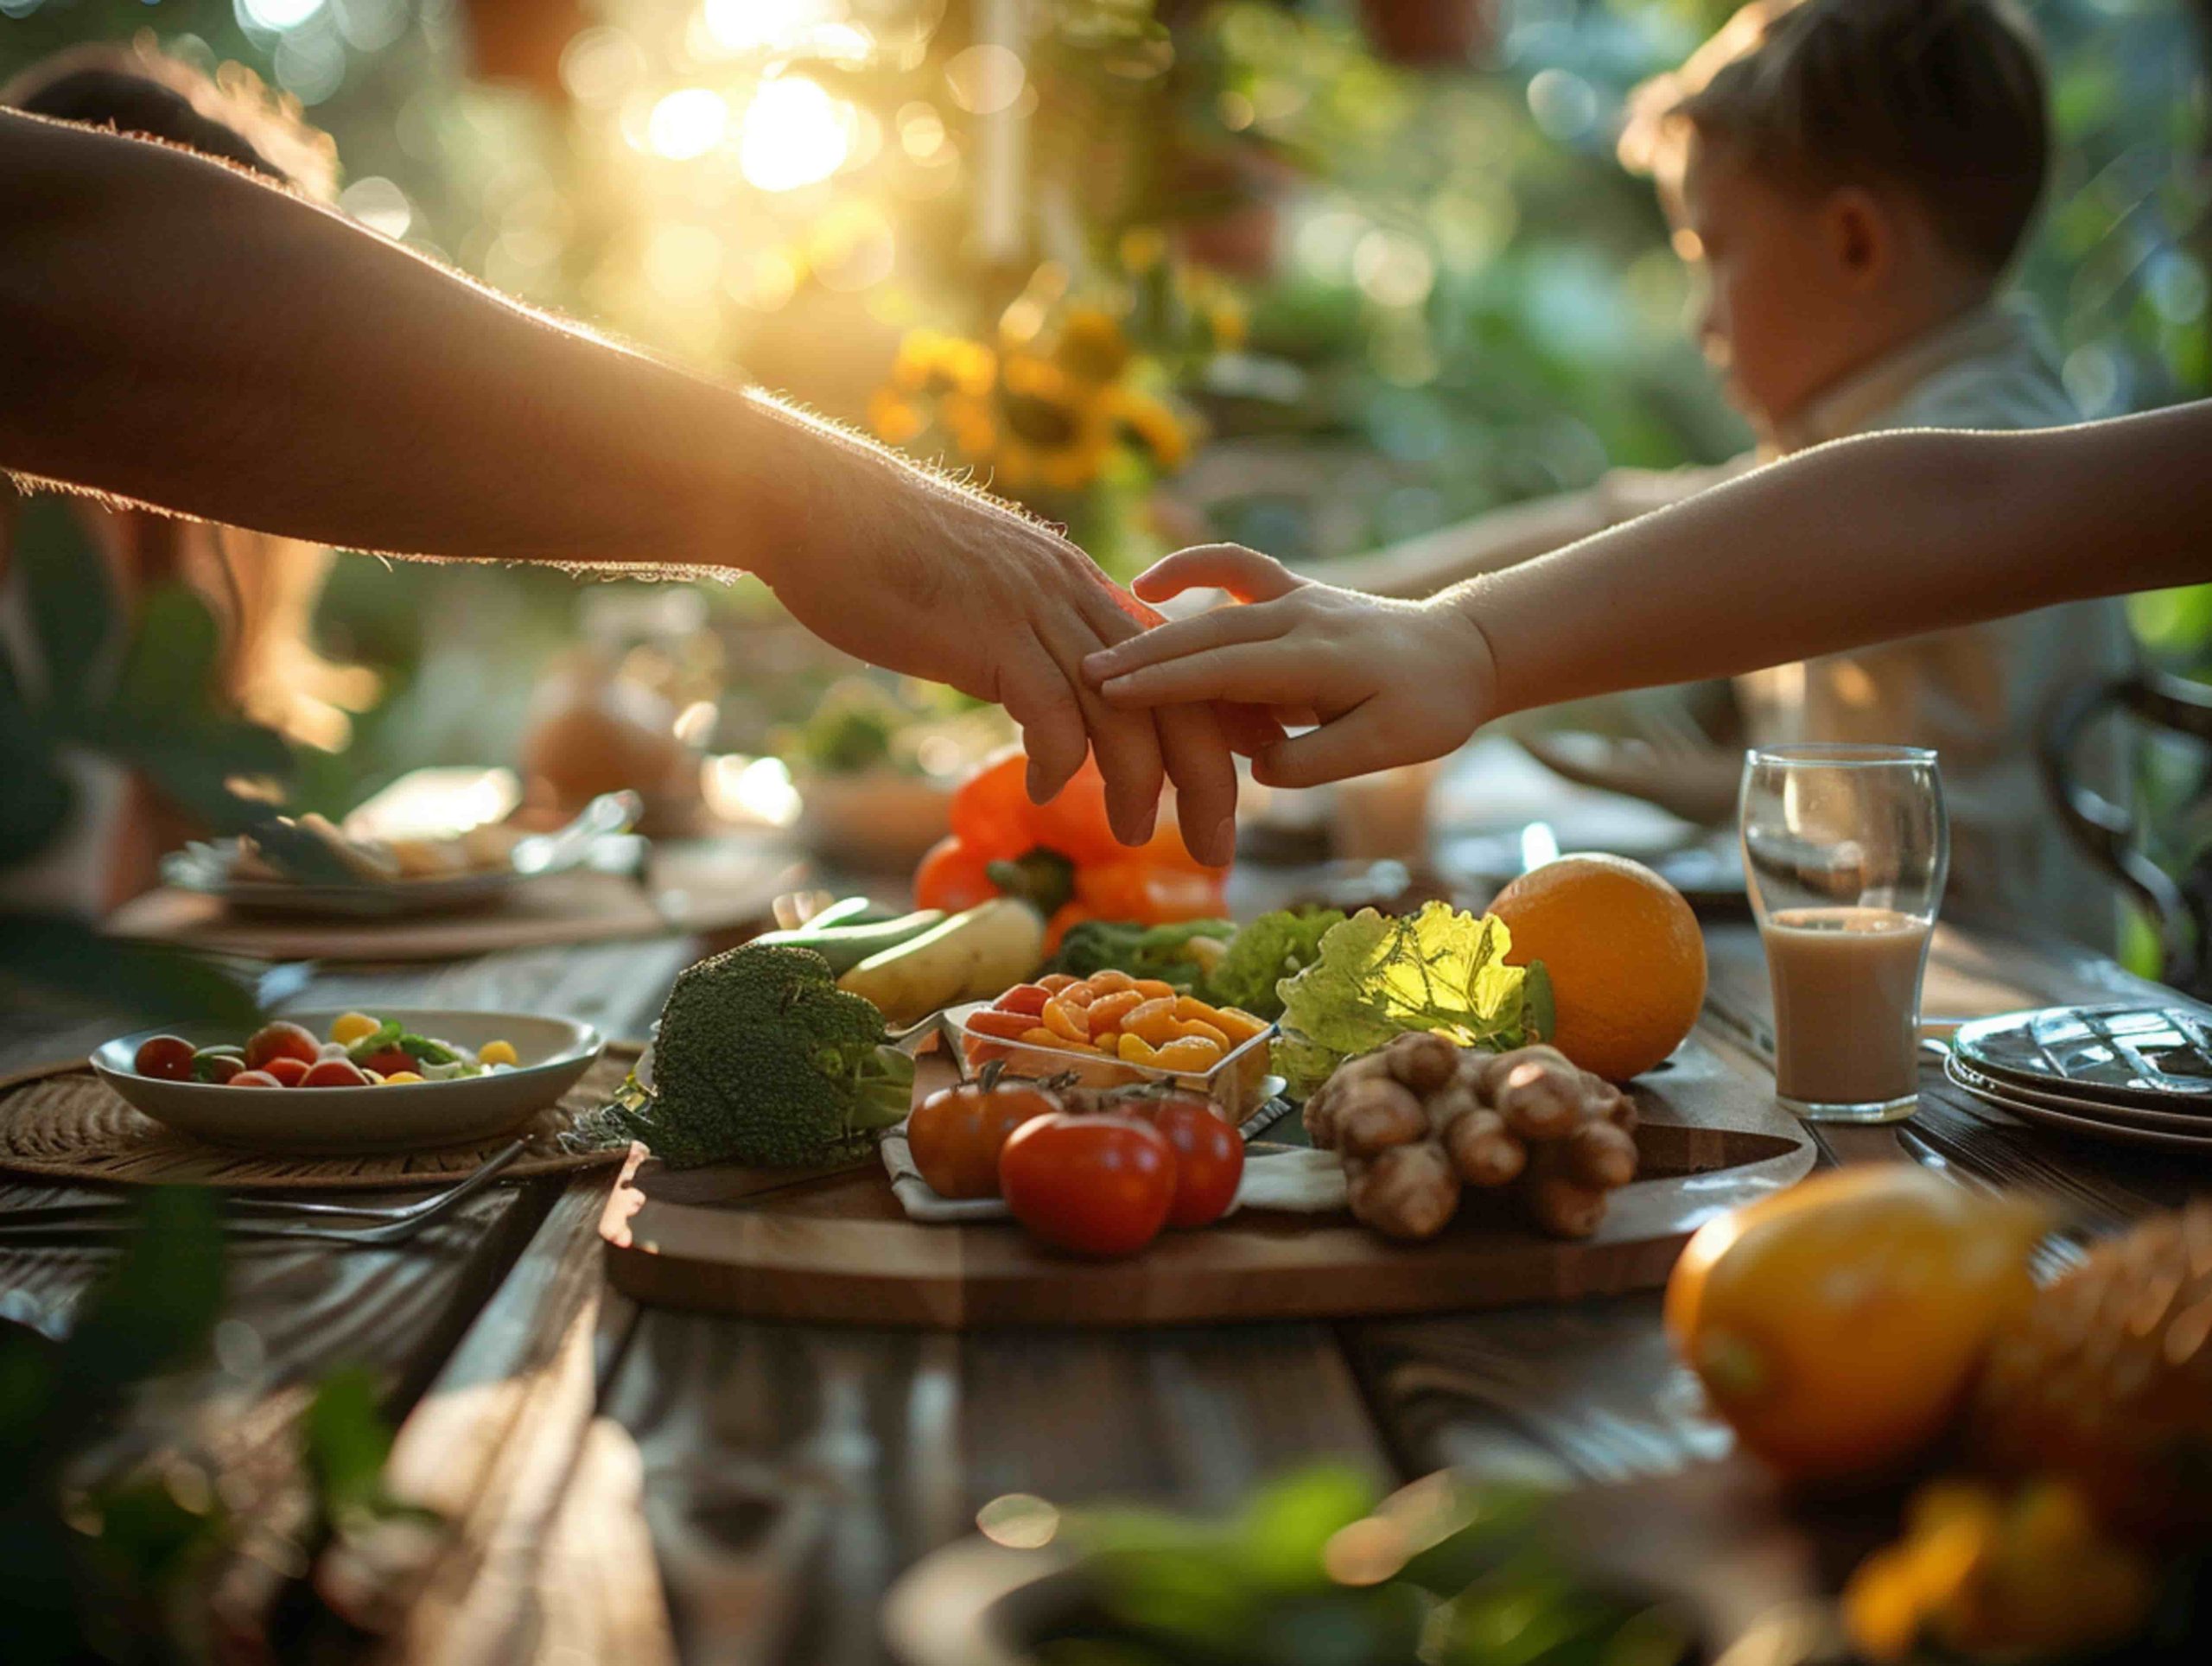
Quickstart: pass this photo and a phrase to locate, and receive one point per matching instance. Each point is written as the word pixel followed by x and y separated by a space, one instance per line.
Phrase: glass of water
pixel 1845 848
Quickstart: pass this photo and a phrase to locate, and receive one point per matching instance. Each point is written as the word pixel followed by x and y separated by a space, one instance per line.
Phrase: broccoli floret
pixel 762 1059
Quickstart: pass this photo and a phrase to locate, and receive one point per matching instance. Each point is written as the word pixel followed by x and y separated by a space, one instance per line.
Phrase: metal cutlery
pixel 265 1217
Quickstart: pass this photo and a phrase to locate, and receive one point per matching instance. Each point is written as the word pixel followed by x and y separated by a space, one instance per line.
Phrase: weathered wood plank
pixel 793 1473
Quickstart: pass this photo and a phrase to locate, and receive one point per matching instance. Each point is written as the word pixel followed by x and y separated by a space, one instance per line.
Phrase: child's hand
pixel 1389 682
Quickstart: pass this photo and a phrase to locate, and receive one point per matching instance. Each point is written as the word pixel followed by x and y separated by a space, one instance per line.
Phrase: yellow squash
pixel 1837 1325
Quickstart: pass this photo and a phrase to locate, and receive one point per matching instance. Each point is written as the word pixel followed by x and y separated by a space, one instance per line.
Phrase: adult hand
pixel 915 574
pixel 1389 682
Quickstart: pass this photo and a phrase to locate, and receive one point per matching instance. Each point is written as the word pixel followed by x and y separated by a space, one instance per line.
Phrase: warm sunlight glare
pixel 795 134
pixel 688 123
pixel 771 25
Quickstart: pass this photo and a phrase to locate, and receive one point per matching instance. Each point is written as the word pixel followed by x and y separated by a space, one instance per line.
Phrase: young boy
pixel 1852 178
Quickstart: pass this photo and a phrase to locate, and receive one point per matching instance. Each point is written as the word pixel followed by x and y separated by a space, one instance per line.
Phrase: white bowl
pixel 330 1122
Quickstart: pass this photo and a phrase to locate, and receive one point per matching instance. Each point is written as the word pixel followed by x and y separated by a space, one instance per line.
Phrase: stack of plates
pixel 2142 1075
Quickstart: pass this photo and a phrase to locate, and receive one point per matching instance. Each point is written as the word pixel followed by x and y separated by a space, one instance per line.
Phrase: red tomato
pixel 218 1067
pixel 166 1057
pixel 388 1062
pixel 956 1134
pixel 281 1040
pixel 991 811
pixel 1074 822
pixel 951 876
pixel 255 1078
pixel 287 1071
pixel 334 1073
pixel 1209 1156
pixel 1099 1186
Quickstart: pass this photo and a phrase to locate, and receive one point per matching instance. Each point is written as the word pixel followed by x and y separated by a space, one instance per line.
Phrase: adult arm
pixel 178 334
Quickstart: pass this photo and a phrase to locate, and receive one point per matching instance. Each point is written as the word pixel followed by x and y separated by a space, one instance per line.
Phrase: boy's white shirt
pixel 1976 695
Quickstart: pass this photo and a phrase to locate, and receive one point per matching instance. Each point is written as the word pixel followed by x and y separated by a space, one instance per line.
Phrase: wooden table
pixel 635 1486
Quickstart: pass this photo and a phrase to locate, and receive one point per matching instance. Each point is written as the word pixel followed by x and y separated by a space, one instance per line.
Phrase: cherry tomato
pixel 1073 822
pixel 287 1071
pixel 1099 1186
pixel 1209 1156
pixel 279 1041
pixel 390 1062
pixel 254 1078
pixel 951 876
pixel 957 1132
pixel 991 811
pixel 334 1073
pixel 216 1066
pixel 166 1057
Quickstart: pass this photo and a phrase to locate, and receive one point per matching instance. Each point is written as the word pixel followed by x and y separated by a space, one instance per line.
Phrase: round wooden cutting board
pixel 833 1246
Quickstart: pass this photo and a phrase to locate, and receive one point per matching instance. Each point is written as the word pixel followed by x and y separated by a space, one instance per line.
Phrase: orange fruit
pixel 1837 1324
pixel 1626 958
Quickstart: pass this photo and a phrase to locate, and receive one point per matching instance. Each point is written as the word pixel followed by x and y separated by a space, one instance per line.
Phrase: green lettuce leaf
pixel 1272 948
pixel 1379 977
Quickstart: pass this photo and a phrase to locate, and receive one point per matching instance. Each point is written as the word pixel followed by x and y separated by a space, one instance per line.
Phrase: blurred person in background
pixel 262 590
pixel 184 334
pixel 1851 181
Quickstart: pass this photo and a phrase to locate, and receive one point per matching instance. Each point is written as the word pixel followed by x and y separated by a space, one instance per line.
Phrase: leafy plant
pixel 1317 1570
pixel 141 693
pixel 1378 976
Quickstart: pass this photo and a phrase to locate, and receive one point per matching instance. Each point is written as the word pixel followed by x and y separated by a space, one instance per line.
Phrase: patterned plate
pixel 2150 1057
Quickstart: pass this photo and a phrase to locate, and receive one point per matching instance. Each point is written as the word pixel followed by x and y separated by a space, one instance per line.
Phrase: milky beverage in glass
pixel 1847 998
pixel 1846 848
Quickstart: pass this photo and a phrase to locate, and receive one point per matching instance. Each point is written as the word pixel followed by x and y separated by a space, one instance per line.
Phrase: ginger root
pixel 1421 1119
pixel 1408 1191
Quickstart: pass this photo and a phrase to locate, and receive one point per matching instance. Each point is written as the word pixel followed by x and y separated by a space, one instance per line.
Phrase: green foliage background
pixel 1548 344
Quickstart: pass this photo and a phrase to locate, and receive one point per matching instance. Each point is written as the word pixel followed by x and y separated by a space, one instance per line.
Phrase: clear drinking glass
pixel 1845 848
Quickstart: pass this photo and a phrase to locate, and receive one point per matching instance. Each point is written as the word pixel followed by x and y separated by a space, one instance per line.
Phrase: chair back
pixel 2179 907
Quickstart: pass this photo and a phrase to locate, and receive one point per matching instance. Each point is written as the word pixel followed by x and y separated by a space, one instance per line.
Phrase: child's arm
pixel 1862 541
pixel 1417 567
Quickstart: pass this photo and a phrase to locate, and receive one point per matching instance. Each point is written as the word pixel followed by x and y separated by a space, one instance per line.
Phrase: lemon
pixel 348 1027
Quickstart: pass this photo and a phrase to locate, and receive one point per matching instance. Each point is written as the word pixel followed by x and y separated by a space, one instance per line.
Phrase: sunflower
pixel 893 418
pixel 1150 426
pixel 974 426
pixel 1054 431
pixel 1091 344
pixel 933 364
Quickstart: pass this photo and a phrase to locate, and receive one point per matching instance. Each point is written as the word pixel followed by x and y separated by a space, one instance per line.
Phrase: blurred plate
pixel 592 839
pixel 332 1121
pixel 2040 1107
pixel 189 871
pixel 2185 1119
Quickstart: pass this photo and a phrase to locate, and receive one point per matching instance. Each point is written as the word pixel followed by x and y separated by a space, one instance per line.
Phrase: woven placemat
pixel 65 1123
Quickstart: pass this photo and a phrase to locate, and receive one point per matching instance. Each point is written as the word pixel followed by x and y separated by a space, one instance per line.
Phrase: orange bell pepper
pixel 993 821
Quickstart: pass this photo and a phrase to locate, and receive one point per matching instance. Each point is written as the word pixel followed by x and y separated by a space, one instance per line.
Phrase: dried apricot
pixel 1188 1053
pixel 1136 1050
pixel 1063 1020
pixel 1154 1021
pixel 1108 1010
